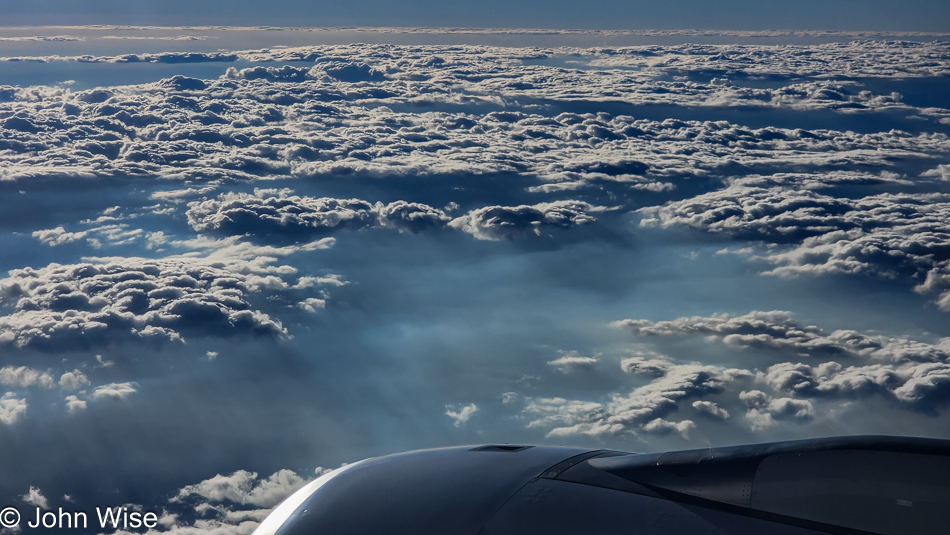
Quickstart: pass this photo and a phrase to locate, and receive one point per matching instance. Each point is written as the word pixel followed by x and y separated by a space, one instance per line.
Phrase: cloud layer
pixel 890 235
pixel 826 371
pixel 83 305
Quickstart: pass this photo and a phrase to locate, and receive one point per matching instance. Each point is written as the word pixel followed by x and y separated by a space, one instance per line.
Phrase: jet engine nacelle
pixel 845 485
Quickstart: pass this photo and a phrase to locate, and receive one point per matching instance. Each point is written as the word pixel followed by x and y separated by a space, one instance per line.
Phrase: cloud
pixel 114 391
pixel 780 330
pixel 644 409
pixel 312 304
pixel 226 504
pixel 11 408
pixel 888 235
pixel 512 222
pixel 710 408
pixel 20 377
pixel 352 113
pixel 177 195
pixel 74 404
pixel 570 362
pixel 842 365
pixel 764 411
pixel 913 373
pixel 266 213
pixel 278 214
pixel 461 415
pixel 35 497
pixel 57 236
pixel 81 305
pixel 660 426
pixel 73 380
pixel 245 488
pixel 410 216
pixel 647 364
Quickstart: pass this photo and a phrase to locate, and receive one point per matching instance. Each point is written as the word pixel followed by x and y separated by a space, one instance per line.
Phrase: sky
pixel 230 266
pixel 877 15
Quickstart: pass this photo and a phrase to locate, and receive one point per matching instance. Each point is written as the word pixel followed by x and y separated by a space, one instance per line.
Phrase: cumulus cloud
pixel 312 304
pixel 764 411
pixel 710 408
pixel 660 426
pixel 23 376
pixel 81 305
pixel 779 329
pixel 114 391
pixel 279 214
pixel 644 409
pixel 73 380
pixel 227 504
pixel 511 222
pixel 410 216
pixel 35 497
pixel 74 404
pixel 11 408
pixel 889 235
pixel 571 362
pixel 57 236
pixel 460 415
pixel 245 488
pixel 845 363
pixel 266 213
pixel 355 112
pixel 646 363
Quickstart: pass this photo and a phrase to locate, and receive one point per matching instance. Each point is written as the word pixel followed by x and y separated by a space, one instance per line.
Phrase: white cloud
pixel 647 364
pixel 570 362
pixel 660 426
pixel 914 373
pixel 114 391
pixel 57 236
pixel 264 213
pixel 509 397
pixel 511 222
pixel 644 409
pixel 461 415
pixel 73 380
pixel 74 404
pixel 711 409
pixel 132 298
pixel 35 497
pixel 24 376
pixel 889 235
pixel 11 408
pixel 312 304
pixel 243 487
pixel 279 213
pixel 764 411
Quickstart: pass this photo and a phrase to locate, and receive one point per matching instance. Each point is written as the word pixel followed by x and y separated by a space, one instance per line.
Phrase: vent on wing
pixel 501 448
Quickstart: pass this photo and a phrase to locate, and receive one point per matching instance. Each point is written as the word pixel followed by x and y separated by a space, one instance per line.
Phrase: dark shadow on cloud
pixel 279 216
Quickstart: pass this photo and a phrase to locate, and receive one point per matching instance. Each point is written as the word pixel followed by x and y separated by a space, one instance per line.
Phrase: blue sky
pixel 880 15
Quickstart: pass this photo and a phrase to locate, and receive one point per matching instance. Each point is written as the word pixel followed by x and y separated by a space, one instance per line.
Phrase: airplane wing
pixel 841 485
